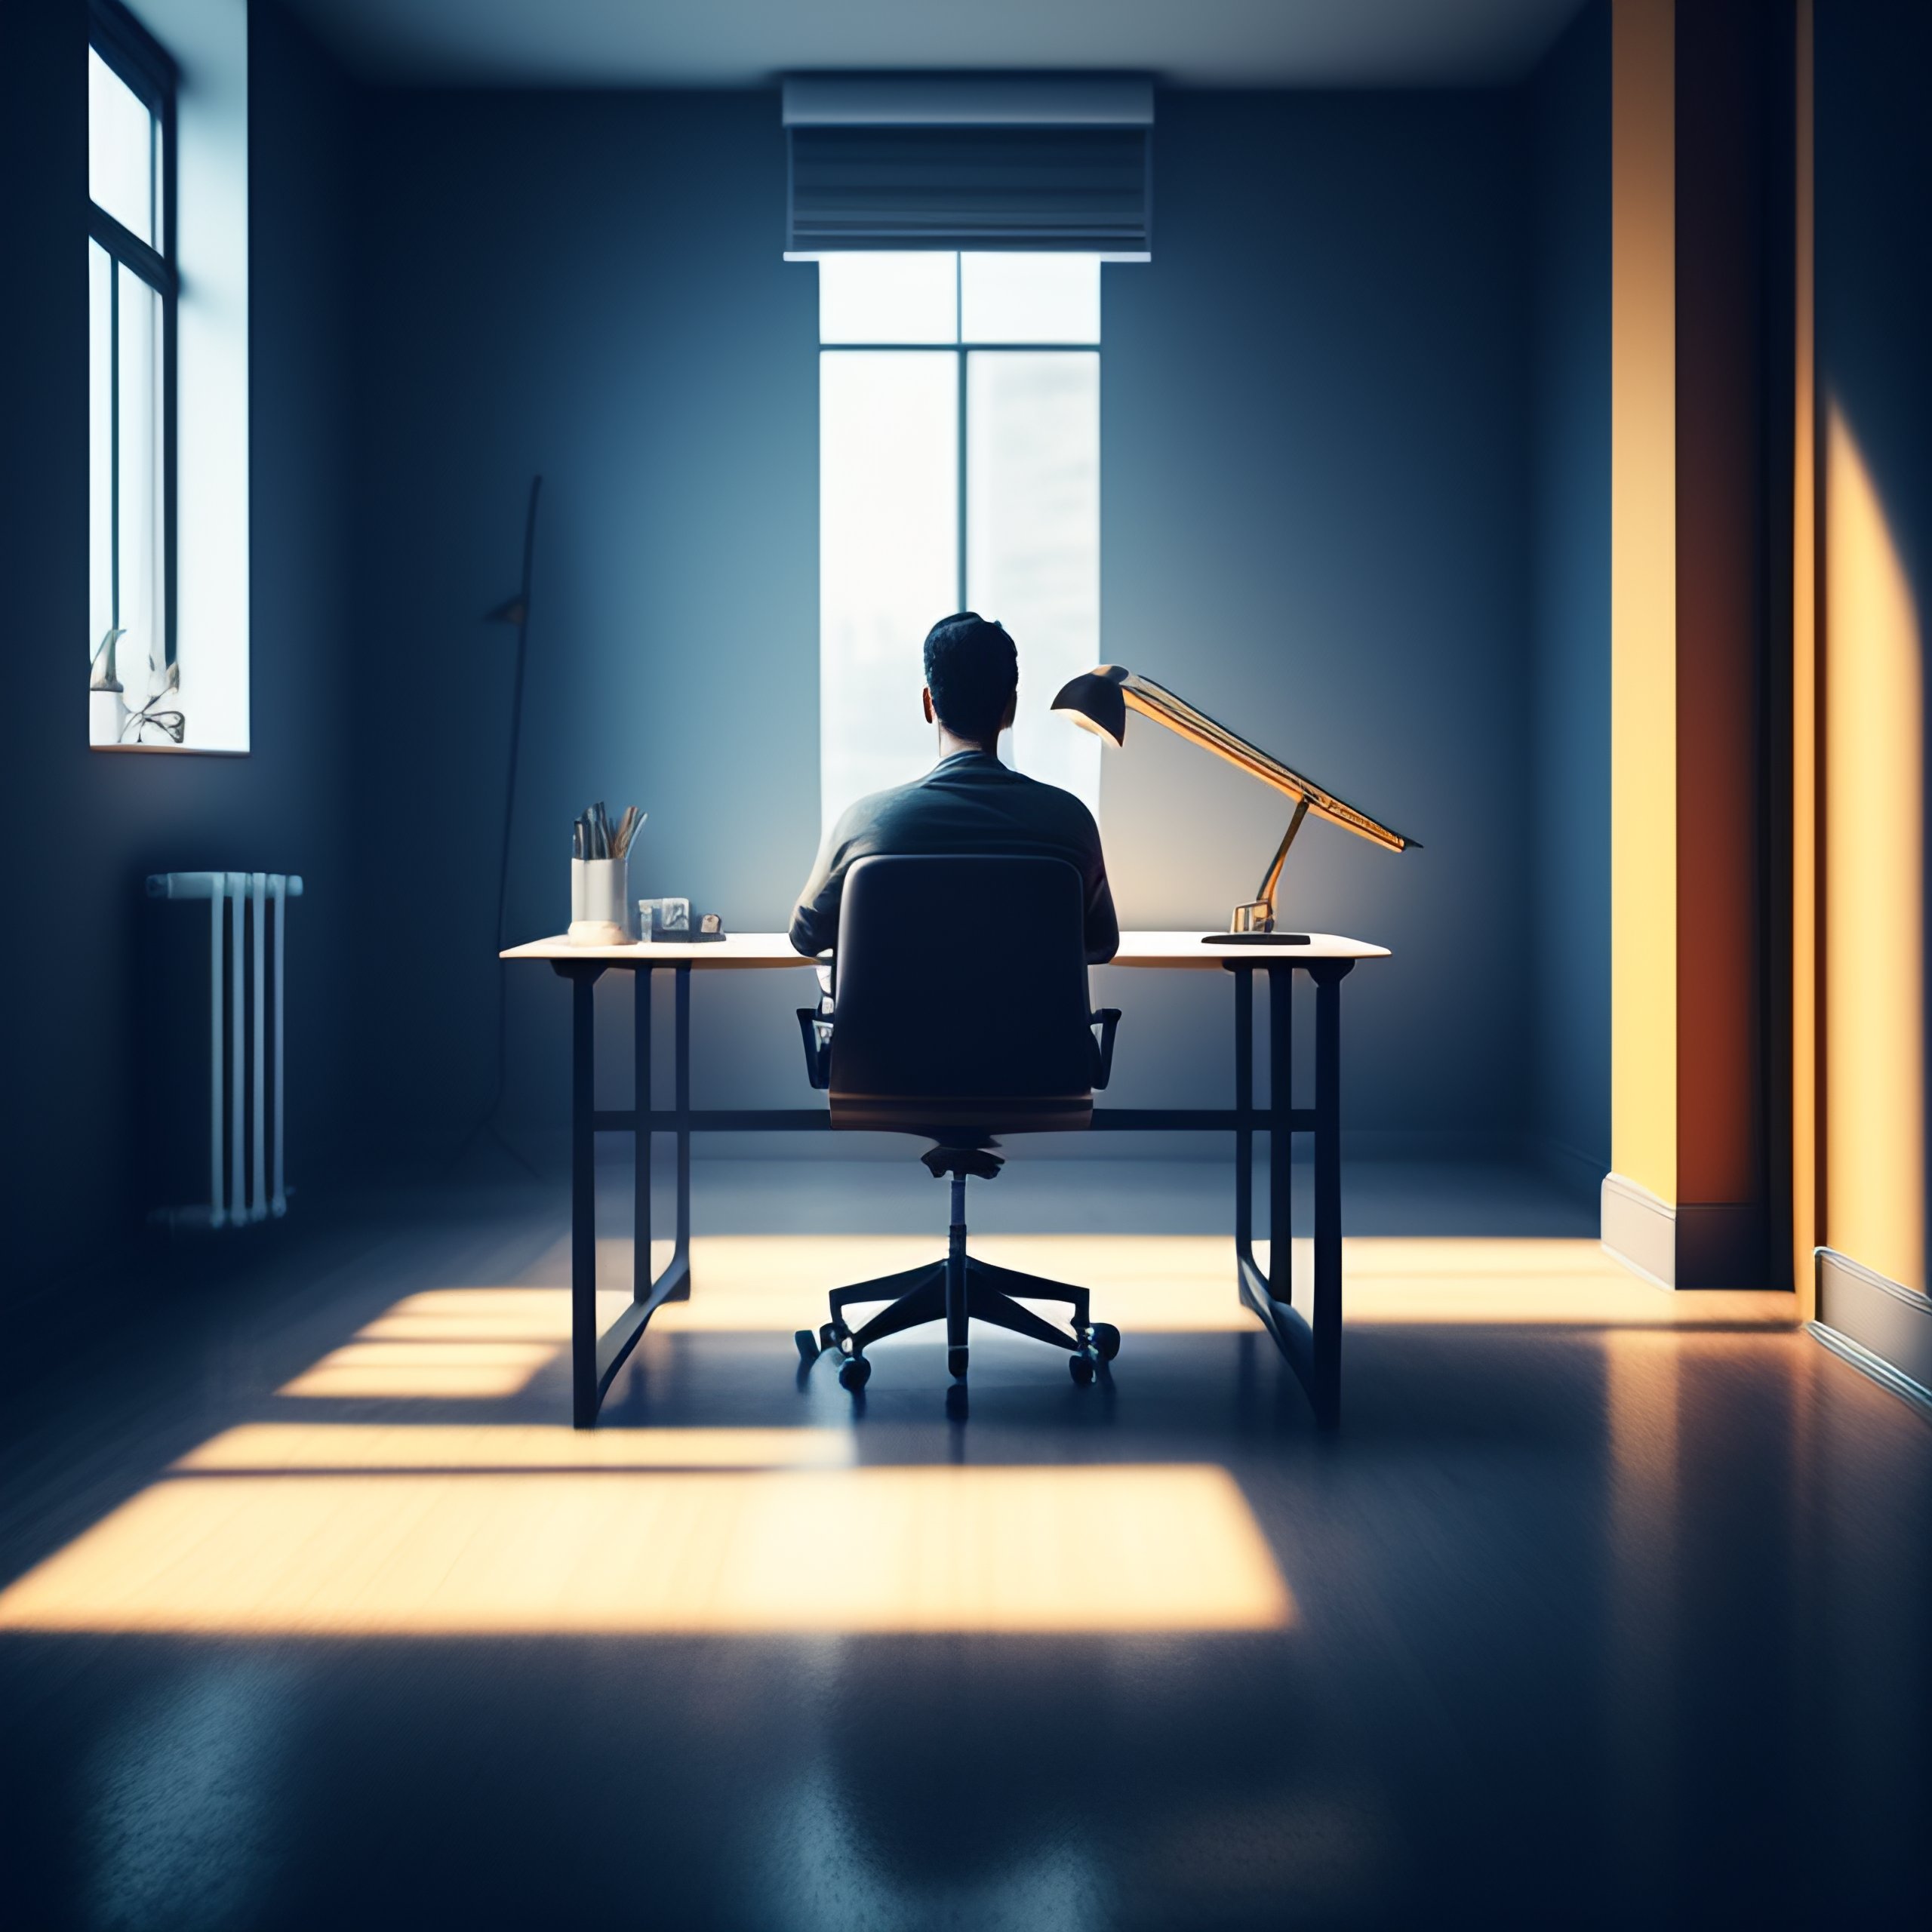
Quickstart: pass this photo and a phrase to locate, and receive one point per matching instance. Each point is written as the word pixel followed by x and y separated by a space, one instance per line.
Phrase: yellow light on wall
pixel 1643 727
pixel 1874 859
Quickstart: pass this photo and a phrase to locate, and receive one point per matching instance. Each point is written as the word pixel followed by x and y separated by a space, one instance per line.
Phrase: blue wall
pixel 1569 556
pixel 590 286
pixel 1315 505
pixel 86 827
pixel 1874 176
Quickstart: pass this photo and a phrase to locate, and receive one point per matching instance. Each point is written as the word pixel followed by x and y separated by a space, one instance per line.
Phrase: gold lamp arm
pixel 1266 894
pixel 1099 701
pixel 1258 915
pixel 1157 702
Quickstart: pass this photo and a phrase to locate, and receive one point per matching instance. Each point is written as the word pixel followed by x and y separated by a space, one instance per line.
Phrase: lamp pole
pixel 513 610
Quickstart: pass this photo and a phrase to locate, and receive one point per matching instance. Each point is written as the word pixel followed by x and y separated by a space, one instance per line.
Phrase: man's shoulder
pixel 912 811
pixel 1055 804
pixel 862 815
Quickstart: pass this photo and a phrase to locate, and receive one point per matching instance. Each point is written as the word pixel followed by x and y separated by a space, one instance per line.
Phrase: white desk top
pixel 767 950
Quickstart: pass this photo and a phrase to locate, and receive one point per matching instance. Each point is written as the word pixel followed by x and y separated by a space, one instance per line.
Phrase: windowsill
pixel 172 751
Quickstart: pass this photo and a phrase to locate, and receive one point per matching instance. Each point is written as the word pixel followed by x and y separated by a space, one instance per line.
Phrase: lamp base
pixel 1253 924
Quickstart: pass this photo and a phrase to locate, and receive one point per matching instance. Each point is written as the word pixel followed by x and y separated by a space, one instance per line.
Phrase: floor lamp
pixel 512 610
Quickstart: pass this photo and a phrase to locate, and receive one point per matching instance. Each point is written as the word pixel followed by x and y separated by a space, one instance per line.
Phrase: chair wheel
pixel 808 1346
pixel 1105 1337
pixel 955 1364
pixel 854 1372
pixel 1080 1366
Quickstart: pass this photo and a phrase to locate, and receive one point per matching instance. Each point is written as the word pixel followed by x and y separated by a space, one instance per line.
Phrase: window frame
pixel 962 349
pixel 143 66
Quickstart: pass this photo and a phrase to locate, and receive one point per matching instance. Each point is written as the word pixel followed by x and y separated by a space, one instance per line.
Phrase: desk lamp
pixel 1099 701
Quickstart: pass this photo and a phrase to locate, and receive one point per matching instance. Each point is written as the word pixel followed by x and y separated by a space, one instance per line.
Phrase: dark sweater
pixel 967 803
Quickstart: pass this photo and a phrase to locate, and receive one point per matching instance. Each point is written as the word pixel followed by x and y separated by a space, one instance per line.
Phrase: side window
pixel 132 285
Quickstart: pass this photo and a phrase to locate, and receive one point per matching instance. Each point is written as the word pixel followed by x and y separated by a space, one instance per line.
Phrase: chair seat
pixel 940 1117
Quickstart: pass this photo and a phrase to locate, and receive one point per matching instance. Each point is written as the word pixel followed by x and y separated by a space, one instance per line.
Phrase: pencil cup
pixel 599 903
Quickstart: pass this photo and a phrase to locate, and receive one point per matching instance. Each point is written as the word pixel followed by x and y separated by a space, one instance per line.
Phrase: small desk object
pixel 1312 1341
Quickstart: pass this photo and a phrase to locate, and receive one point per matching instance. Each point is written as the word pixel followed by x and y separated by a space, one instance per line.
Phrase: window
pixel 959 468
pixel 131 284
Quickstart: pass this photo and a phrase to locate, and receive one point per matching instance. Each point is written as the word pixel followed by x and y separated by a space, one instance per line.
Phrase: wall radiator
pixel 247 915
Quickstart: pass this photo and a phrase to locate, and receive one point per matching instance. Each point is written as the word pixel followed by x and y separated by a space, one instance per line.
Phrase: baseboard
pixel 1693 1244
pixel 1639 1229
pixel 1876 1366
pixel 1889 1326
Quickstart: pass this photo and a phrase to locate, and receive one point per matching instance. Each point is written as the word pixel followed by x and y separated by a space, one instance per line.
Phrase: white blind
pixel 947 162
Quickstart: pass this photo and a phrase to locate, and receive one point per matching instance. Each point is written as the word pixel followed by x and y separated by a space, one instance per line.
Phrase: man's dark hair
pixel 972 671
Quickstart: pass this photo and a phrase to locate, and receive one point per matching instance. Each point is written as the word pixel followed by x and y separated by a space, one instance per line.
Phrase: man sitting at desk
pixel 969 802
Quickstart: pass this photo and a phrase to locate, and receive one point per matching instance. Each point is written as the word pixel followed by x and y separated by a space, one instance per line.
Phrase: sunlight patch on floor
pixel 472 1342
pixel 453 1371
pixel 1147 1548
pixel 271 1448
pixel 1185 1283
pixel 1505 1281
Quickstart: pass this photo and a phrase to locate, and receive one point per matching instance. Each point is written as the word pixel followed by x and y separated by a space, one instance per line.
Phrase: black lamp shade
pixel 1096 700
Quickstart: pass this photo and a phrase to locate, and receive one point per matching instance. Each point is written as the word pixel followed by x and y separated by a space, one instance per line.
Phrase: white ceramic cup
pixel 599 903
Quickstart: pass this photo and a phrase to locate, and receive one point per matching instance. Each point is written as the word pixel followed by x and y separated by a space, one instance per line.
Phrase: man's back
pixel 970 803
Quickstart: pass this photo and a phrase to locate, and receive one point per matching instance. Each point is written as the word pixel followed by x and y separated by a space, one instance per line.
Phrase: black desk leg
pixel 679 1273
pixel 1266 1295
pixel 641 1149
pixel 584 1392
pixel 1281 1135
pixel 674 1283
pixel 1313 1349
pixel 1325 1389
pixel 1244 1105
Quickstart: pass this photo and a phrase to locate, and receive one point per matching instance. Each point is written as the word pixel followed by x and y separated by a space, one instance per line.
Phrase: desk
pixel 1312 1343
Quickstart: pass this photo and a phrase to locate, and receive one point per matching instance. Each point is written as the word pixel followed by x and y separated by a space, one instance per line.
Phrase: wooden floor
pixel 1605 1606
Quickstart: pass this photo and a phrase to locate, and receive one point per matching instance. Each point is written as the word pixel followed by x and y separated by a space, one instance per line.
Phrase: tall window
pixel 132 283
pixel 959 468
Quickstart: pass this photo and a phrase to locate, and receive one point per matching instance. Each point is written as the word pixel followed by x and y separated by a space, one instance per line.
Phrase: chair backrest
pixel 961 995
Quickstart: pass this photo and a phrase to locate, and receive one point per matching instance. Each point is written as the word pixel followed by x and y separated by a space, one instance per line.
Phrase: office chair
pixel 960 1013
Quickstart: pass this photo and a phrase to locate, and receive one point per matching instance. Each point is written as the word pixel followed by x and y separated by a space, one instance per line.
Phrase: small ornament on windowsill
pixel 112 721
pixel 169 723
pixel 107 709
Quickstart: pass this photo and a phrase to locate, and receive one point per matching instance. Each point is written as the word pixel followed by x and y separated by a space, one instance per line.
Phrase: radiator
pixel 248 923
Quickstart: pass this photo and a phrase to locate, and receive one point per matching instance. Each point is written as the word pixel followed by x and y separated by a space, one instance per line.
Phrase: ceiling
pixel 740 43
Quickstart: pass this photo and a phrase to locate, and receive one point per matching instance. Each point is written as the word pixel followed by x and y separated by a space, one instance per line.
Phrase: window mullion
pixel 114 439
pixel 959 430
pixel 959 486
pixel 127 248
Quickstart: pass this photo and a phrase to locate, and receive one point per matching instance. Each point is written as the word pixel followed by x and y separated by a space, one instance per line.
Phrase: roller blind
pixel 935 162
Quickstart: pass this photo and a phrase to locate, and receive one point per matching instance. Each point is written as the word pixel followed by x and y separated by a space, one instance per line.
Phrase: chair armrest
pixel 816 1032
pixel 1107 1020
